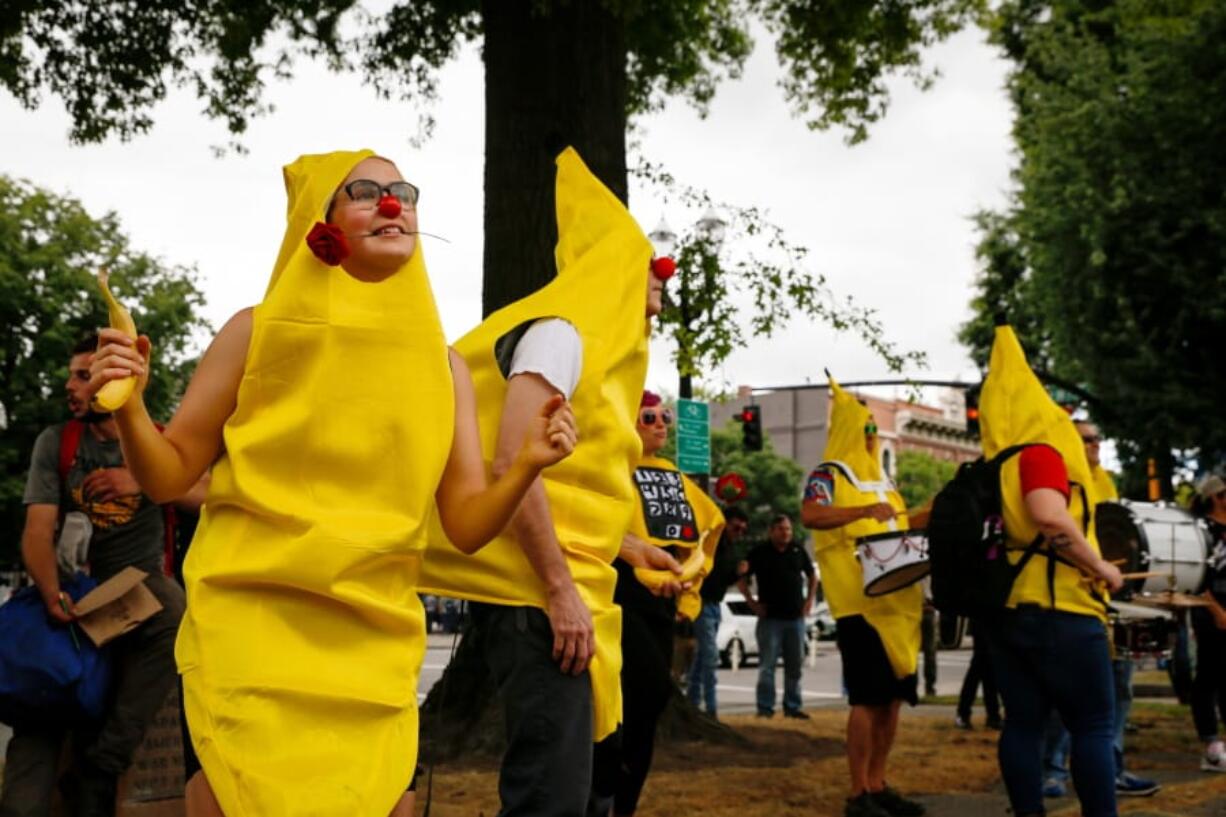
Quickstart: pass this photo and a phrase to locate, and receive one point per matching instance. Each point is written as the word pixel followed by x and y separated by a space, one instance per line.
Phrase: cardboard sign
pixel 116 606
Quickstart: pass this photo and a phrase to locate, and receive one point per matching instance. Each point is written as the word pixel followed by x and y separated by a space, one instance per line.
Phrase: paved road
pixel 821 683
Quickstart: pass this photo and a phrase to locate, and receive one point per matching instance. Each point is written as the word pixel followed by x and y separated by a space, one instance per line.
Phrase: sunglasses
pixel 649 417
pixel 1091 439
pixel 871 428
pixel 367 193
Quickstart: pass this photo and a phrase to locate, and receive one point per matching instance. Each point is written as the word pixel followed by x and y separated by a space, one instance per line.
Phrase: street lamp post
pixel 710 230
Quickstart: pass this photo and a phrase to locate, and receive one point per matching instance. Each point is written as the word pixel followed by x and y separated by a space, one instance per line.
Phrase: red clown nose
pixel 389 206
pixel 663 267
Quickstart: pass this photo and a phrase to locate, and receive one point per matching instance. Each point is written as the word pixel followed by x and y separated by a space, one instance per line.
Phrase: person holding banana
pixel 304 634
pixel 675 515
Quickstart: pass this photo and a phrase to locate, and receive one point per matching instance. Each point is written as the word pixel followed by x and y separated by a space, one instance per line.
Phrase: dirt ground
pixel 794 769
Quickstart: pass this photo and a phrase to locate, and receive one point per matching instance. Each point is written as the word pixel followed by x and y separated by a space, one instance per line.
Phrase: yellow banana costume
pixel 1104 485
pixel 895 616
pixel 1014 408
pixel 656 480
pixel 601 289
pixel 304 635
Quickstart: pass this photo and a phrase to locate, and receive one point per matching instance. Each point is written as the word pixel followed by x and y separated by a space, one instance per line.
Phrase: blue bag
pixel 46 677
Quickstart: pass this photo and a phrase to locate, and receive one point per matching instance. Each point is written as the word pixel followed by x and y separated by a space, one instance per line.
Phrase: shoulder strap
pixel 849 475
pixel 70 440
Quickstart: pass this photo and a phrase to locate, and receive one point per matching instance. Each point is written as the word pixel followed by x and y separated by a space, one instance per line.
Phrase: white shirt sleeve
pixel 553 349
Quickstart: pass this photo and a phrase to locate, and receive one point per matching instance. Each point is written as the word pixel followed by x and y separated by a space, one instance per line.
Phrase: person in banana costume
pixel 674 513
pixel 336 423
pixel 846 497
pixel 544 587
pixel 1104 485
pixel 1049 646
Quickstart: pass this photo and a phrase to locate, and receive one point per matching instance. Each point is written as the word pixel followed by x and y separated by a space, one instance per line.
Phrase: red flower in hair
pixel 328 243
pixel 663 267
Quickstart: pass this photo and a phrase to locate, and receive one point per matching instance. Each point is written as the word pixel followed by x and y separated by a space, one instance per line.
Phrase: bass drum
pixel 1153 537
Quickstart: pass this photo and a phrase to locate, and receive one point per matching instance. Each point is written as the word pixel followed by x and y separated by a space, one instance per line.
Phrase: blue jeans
pixel 1047 659
pixel 774 635
pixel 1056 741
pixel 706 657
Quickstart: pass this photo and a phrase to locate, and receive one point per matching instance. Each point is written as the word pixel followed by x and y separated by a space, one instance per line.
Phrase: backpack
pixel 971 574
pixel 70 439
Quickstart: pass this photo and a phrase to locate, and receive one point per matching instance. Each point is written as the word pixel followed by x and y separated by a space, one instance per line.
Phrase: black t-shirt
pixel 723 573
pixel 782 578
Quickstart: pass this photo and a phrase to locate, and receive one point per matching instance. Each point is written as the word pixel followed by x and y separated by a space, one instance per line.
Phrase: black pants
pixel 980 670
pixel 1209 685
pixel 144 665
pixel 928 645
pixel 547 768
pixel 647 659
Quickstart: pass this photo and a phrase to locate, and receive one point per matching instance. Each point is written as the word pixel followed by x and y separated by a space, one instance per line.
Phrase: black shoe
pixel 765 713
pixel 864 806
pixel 798 714
pixel 995 723
pixel 89 792
pixel 962 723
pixel 897 805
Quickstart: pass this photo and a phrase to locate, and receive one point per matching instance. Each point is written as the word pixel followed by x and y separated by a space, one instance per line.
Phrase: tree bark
pixel 553 78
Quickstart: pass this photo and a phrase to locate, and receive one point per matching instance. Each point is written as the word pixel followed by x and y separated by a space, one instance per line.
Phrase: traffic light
pixel 971 396
pixel 751 428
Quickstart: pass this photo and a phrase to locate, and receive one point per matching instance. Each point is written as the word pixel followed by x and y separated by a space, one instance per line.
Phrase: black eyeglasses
pixel 368 193
pixel 648 417
pixel 1091 439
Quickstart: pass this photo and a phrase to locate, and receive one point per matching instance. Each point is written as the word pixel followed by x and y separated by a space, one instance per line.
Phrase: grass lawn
pixel 796 769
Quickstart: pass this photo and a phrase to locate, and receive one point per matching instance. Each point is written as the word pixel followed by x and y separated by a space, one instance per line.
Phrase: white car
pixel 737 639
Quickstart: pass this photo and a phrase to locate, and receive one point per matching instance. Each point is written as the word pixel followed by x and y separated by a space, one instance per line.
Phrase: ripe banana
pixel 691 569
pixel 115 393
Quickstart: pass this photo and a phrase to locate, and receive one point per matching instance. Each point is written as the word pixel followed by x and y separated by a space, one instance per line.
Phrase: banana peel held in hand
pixel 115 393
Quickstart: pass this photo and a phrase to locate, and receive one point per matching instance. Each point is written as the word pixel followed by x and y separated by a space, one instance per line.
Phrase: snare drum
pixel 892 560
pixel 1154 538
pixel 1140 632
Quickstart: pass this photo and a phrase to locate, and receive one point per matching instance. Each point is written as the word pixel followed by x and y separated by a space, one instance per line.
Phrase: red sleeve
pixel 1041 467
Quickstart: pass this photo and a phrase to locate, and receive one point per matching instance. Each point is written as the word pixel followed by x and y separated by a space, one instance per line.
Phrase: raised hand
pixel 119 357
pixel 552 435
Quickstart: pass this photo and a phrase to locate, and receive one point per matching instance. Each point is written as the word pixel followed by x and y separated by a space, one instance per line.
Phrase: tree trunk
pixel 553 78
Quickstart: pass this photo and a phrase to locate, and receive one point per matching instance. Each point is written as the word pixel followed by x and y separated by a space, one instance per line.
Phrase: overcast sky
pixel 887 221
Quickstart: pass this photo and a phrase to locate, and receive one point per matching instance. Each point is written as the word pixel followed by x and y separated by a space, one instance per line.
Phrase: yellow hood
pixel 1014 408
pixel 845 441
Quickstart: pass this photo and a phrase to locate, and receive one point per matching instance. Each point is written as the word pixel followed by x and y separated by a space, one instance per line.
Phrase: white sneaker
pixel 1214 759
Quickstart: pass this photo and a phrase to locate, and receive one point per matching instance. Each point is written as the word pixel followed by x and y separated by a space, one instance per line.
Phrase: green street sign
pixel 694 410
pixel 693 437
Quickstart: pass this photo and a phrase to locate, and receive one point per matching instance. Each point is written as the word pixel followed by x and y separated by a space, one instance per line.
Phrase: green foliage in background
pixel 1110 257
pixel 919 476
pixel 50 250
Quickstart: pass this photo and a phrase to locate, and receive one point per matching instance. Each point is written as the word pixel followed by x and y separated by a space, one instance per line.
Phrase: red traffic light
pixel 749 414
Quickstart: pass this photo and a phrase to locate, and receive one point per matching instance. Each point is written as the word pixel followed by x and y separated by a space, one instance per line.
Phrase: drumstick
pixel 1142 575
pixel 1118 562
